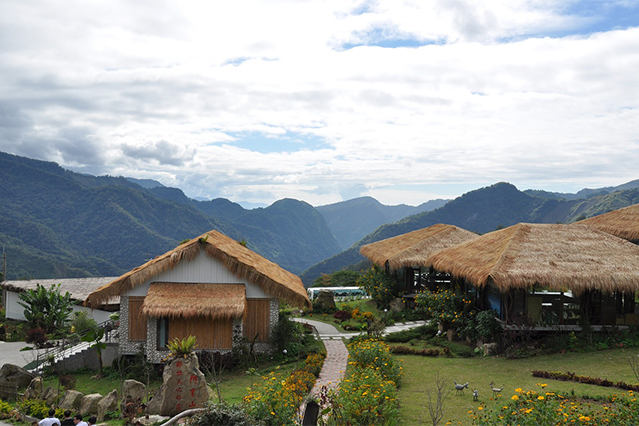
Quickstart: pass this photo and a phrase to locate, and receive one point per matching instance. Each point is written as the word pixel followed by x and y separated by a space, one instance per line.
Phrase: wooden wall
pixel 137 321
pixel 257 319
pixel 211 334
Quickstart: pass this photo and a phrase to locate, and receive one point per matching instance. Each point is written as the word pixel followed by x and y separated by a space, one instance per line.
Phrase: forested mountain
pixel 483 210
pixel 56 223
pixel 352 220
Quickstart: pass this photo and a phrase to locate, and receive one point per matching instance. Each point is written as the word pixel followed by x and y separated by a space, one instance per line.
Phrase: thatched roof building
pixel 214 301
pixel 412 249
pixel 557 256
pixel 623 223
pixel 78 288
pixel 274 281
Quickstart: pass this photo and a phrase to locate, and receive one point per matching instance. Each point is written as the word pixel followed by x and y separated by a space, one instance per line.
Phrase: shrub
pixel 342 315
pixel 451 309
pixel 365 398
pixel 67 382
pixel 376 355
pixel 37 408
pixel 82 322
pixel 379 285
pixel 403 336
pixel 182 347
pixel 36 336
pixel 406 350
pixel 223 414
pixel 533 408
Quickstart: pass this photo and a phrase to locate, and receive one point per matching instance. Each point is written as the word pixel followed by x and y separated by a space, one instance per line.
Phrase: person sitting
pixel 51 420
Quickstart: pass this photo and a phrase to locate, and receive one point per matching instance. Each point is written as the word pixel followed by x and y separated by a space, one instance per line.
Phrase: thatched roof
pixel 574 257
pixel 623 223
pixel 244 263
pixel 214 301
pixel 78 288
pixel 412 248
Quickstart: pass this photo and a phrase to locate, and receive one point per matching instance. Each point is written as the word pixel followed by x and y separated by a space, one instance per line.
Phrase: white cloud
pixel 167 91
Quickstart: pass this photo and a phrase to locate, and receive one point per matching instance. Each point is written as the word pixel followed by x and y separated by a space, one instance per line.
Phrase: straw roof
pixel 244 263
pixel 557 256
pixel 215 301
pixel 412 248
pixel 78 288
pixel 623 223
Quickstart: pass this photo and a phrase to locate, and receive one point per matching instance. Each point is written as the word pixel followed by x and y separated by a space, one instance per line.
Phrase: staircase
pixel 73 347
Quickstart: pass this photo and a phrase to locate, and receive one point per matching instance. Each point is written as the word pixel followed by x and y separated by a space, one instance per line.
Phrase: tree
pixel 345 278
pixel 95 335
pixel 47 309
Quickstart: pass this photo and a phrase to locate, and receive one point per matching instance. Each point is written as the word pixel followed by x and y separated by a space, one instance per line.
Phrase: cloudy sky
pixel 323 101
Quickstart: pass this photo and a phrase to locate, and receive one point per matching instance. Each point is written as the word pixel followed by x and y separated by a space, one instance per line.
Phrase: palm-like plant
pixel 46 308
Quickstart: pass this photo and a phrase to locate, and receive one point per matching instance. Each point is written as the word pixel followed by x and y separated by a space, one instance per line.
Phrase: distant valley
pixel 55 223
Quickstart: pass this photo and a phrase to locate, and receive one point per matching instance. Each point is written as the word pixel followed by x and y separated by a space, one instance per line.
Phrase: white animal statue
pixel 496 391
pixel 459 388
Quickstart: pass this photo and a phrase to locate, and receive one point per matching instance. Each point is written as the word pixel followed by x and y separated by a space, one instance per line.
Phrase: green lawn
pixel 420 373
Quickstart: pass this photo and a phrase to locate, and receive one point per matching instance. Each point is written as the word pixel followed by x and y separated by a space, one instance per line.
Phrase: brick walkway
pixel 334 366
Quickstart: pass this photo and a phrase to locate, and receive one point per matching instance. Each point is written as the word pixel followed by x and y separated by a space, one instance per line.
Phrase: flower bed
pixel 276 401
pixel 534 408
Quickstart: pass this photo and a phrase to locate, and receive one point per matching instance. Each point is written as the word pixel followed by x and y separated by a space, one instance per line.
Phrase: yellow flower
pixel 515 398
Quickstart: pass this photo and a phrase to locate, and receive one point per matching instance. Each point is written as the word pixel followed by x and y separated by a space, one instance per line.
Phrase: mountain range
pixel 55 223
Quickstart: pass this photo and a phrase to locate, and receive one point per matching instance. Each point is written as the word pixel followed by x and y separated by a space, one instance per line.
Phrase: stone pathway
pixel 336 353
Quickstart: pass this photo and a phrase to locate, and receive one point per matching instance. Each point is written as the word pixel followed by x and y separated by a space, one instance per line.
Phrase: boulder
pixel 50 395
pixel 397 304
pixel 89 404
pixel 324 300
pixel 184 387
pixel 71 400
pixel 150 420
pixel 12 374
pixel 132 390
pixel 490 349
pixel 34 390
pixel 108 403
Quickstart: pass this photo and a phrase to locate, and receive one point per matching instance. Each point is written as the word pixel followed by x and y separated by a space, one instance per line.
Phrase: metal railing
pixel 59 352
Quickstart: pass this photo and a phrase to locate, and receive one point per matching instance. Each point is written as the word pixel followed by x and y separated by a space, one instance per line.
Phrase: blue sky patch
pixel 289 142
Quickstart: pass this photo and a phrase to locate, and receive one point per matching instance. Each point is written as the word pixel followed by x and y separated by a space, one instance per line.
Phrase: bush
pixel 67 382
pixel 342 315
pixel 376 355
pixel 82 322
pixel 534 408
pixel 407 350
pixel 37 408
pixel 379 285
pixel 365 398
pixel 36 336
pixel 182 347
pixel 223 414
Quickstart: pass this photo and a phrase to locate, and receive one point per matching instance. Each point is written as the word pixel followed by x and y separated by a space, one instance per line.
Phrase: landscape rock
pixel 397 304
pixel 490 349
pixel 108 403
pixel 50 395
pixel 89 404
pixel 34 390
pixel 325 300
pixel 151 419
pixel 132 390
pixel 12 374
pixel 184 387
pixel 71 400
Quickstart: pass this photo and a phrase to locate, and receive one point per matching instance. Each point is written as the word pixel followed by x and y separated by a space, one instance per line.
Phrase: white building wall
pixel 16 312
pixel 203 269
